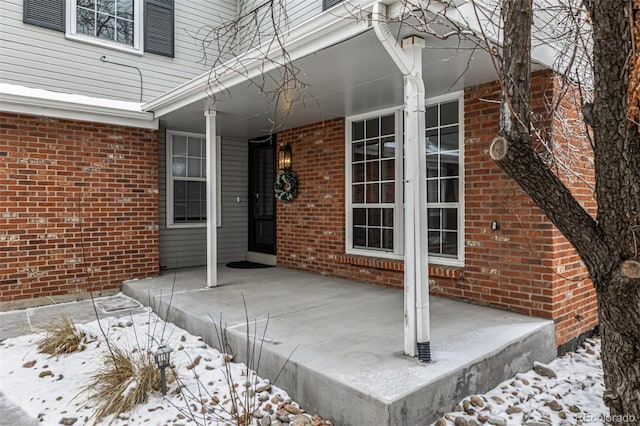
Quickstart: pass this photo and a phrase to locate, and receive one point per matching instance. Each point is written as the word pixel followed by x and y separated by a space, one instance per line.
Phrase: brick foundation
pixel 525 266
pixel 78 208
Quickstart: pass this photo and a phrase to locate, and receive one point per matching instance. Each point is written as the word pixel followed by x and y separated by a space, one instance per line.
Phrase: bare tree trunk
pixel 619 315
pixel 608 246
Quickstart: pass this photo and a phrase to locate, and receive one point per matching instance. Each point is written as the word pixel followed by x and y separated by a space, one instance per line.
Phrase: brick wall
pixel 575 309
pixel 78 208
pixel 525 266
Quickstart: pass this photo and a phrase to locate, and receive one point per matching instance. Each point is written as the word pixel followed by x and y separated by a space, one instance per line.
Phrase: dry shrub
pixel 125 379
pixel 61 337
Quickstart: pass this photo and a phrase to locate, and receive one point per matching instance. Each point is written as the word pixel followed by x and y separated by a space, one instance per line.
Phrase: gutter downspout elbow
pixel 387 39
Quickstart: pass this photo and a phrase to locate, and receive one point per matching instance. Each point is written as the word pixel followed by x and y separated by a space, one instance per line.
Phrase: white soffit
pixel 27 100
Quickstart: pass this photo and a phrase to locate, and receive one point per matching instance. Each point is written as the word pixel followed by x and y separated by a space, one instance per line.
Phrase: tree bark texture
pixel 610 244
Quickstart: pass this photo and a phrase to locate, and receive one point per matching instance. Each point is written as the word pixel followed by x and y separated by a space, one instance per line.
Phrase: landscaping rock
pixel 45 373
pixel 293 409
pixel 544 370
pixel 497 421
pixel 554 405
pixel 512 410
pixel 29 364
pixel 477 401
pixel 482 418
pixel 468 408
pixel 460 421
pixel 301 420
pixel 266 421
pixel 498 400
pixel 68 421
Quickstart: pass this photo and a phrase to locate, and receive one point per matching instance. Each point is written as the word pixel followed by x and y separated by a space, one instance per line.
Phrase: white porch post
pixel 408 59
pixel 417 328
pixel 212 197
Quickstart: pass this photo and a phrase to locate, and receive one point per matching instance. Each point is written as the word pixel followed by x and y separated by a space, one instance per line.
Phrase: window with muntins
pixel 188 178
pixel 128 25
pixel 375 188
pixel 110 21
pixel 444 180
pixel 374 151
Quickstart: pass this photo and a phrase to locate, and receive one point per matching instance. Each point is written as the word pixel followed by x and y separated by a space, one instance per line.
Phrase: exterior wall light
pixel 162 357
pixel 285 157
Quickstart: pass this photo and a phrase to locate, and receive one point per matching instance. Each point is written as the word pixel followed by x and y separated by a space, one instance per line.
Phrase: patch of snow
pixel 48 388
pixel 29 92
pixel 572 397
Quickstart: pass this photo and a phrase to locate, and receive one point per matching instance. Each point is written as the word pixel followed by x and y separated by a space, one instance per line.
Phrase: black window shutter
pixel 328 4
pixel 158 27
pixel 44 13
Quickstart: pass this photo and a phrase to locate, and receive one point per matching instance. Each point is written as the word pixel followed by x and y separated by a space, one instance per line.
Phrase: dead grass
pixel 125 380
pixel 61 337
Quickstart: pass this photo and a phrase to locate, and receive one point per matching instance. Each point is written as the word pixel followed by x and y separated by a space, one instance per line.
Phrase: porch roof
pixel 345 340
pixel 348 71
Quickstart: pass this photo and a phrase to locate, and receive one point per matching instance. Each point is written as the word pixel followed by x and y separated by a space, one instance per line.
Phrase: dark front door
pixel 262 206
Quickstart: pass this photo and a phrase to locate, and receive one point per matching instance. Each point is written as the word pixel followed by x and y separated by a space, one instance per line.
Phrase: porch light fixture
pixel 162 356
pixel 285 157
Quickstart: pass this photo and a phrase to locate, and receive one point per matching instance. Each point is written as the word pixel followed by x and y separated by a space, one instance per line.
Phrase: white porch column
pixel 408 59
pixel 212 199
pixel 417 327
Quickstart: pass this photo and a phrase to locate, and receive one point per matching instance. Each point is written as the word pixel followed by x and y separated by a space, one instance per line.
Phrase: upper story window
pixel 116 21
pixel 112 21
pixel 128 25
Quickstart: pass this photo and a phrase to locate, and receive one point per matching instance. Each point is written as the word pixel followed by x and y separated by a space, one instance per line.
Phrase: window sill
pixel 107 45
pixel 439 271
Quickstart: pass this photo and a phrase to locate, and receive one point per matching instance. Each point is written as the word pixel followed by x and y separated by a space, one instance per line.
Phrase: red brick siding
pixel 575 309
pixel 78 206
pixel 516 267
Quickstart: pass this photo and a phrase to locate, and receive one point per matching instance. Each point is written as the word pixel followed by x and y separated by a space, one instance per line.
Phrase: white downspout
pixel 212 198
pixel 408 59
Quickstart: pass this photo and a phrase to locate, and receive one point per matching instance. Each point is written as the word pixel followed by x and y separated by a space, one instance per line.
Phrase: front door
pixel 262 206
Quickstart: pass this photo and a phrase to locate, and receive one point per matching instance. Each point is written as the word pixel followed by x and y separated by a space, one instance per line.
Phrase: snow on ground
pixel 48 388
pixel 568 391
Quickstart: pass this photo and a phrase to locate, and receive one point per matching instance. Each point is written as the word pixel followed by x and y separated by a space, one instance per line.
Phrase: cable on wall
pixel 104 59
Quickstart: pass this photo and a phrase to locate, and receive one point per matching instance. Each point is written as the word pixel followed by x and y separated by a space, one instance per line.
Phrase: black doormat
pixel 245 264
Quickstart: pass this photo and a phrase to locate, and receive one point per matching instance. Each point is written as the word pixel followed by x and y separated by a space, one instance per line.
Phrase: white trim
pixel 212 190
pixel 169 181
pixel 26 100
pixel 71 30
pixel 398 221
pixel 441 260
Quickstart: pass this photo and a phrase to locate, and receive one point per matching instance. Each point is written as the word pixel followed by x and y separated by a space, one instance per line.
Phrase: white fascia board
pixel 323 30
pixel 27 100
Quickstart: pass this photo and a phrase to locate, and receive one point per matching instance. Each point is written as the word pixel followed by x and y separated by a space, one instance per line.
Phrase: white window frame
pixel 137 48
pixel 169 179
pixel 398 217
pixel 440 260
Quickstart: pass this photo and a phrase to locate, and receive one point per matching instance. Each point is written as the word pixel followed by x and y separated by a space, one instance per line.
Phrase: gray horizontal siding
pixel 188 247
pixel 41 58
pixel 301 11
pixel 297 12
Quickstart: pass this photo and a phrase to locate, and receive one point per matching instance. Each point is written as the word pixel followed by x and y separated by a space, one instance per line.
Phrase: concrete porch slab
pixel 347 338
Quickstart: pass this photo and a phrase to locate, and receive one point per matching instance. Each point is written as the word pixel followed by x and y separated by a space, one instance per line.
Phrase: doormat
pixel 245 264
